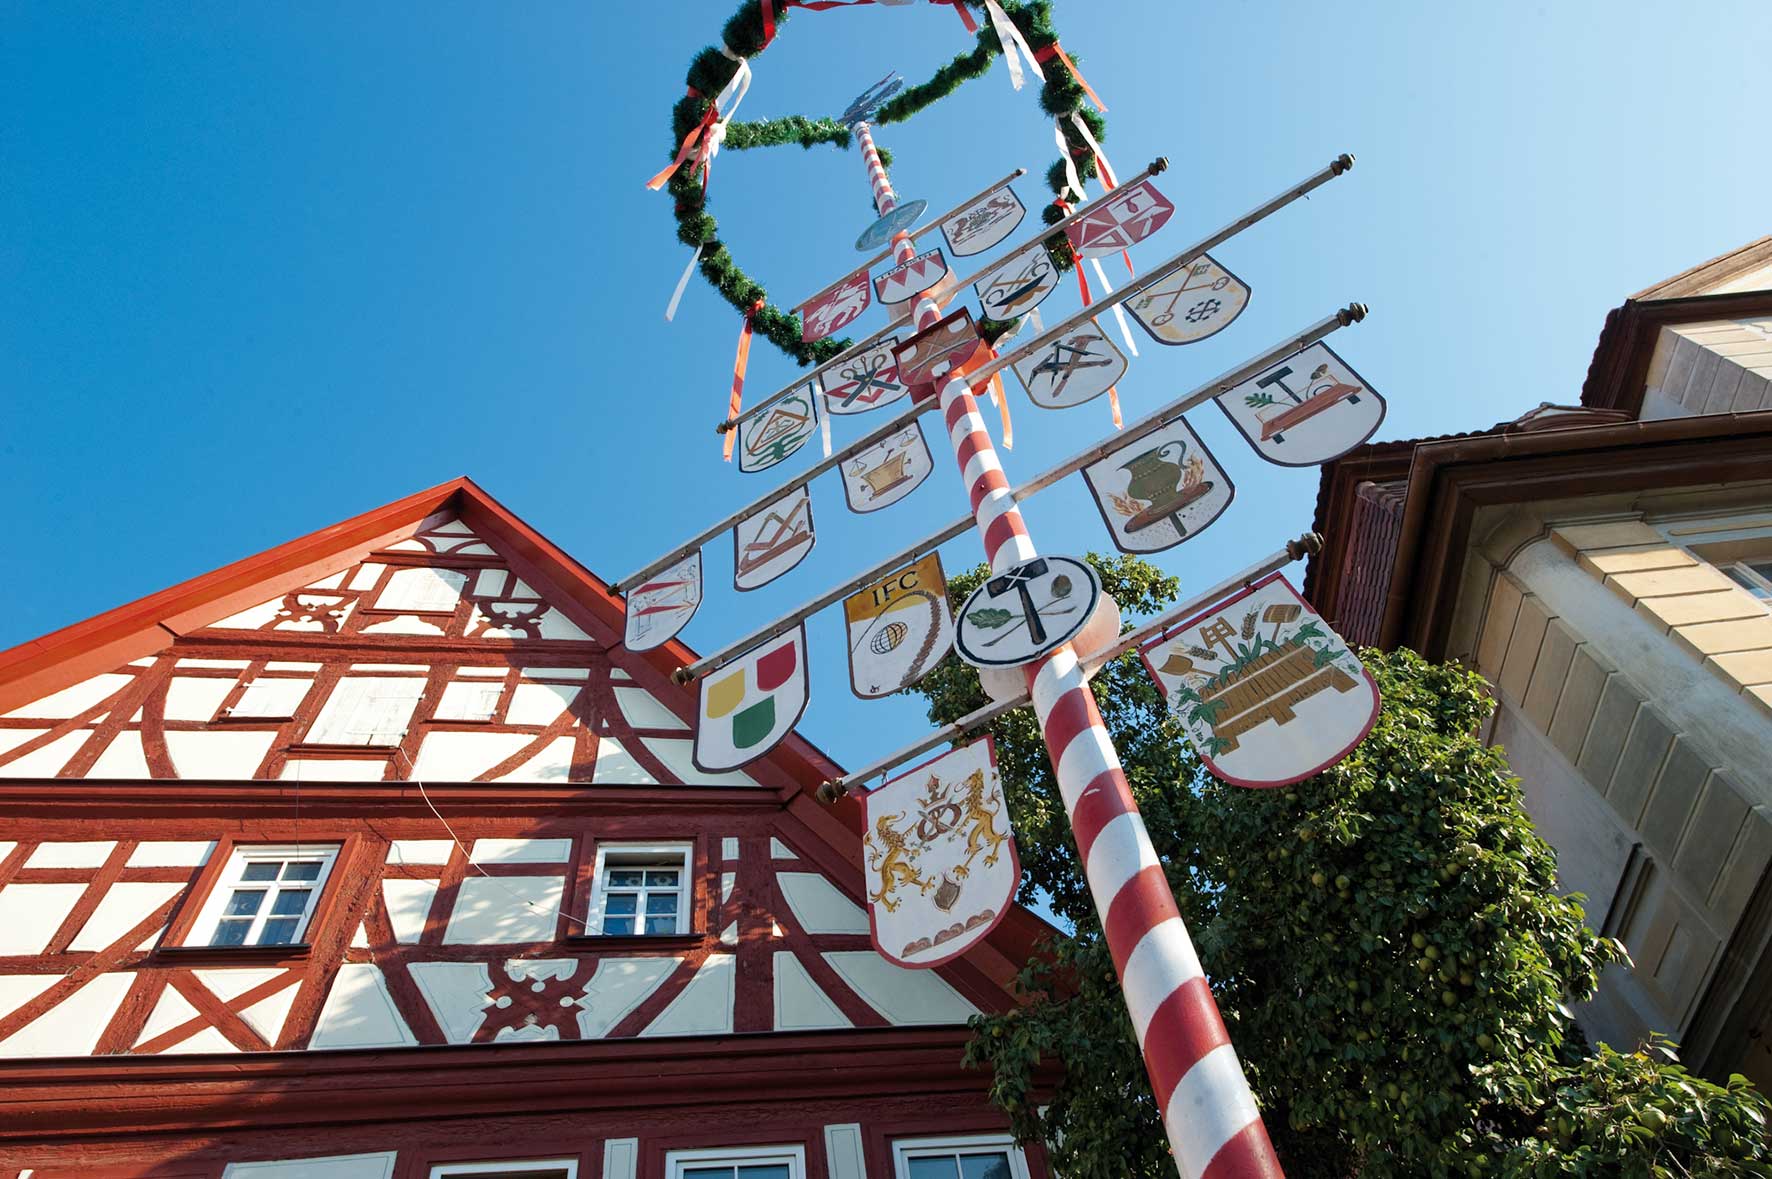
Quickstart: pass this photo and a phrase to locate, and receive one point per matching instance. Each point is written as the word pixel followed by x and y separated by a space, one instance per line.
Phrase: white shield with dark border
pixel 899 628
pixel 865 381
pixel 1160 490
pixel 1079 366
pixel 1199 300
pixel 1305 410
pixel 887 471
pixel 772 540
pixel 983 223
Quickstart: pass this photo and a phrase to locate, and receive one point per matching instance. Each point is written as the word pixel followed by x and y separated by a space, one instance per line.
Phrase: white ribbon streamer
pixel 1011 39
pixel 824 419
pixel 677 295
pixel 1072 181
pixel 1101 160
pixel 1119 315
pixel 726 105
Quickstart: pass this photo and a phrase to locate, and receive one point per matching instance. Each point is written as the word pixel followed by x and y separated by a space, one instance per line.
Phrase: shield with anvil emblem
pixel 941 863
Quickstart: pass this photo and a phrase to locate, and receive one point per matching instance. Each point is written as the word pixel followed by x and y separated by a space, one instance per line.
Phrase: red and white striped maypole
pixel 1208 1112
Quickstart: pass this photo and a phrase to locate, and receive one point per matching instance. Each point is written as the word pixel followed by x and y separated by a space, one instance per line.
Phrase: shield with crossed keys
pixel 1018 285
pixel 1079 366
pixel 865 381
pixel 1196 301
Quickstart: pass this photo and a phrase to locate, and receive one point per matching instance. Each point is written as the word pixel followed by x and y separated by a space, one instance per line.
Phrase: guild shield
pixel 1266 692
pixel 983 223
pixel 909 279
pixel 746 708
pixel 887 471
pixel 865 381
pixel 1017 286
pixel 773 540
pixel 1307 409
pixel 1077 367
pixel 777 431
pixel 663 604
pixel 899 628
pixel 1120 220
pixel 834 308
pixel 941 863
pixel 1196 301
pixel 952 342
pixel 1026 611
pixel 1160 490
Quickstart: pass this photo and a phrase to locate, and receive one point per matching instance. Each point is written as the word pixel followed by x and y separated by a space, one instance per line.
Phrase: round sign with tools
pixel 1026 611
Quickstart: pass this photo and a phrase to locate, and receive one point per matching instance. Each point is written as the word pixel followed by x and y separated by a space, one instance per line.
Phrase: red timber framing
pixel 206 1056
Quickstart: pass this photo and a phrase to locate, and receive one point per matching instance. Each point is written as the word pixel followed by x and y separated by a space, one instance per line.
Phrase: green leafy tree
pixel 1385 940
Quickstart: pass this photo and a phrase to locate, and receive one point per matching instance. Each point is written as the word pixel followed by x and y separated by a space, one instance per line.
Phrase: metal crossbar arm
pixel 916 233
pixel 1156 166
pixel 1310 542
pixel 1150 423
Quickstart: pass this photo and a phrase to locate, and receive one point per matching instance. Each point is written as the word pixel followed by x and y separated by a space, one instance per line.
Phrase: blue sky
pixel 265 266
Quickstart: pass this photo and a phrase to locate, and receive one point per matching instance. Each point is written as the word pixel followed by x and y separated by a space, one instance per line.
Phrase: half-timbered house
pixel 377 856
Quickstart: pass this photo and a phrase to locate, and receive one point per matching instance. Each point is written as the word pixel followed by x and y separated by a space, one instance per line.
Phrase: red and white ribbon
pixel 1073 183
pixel 1101 160
pixel 705 139
pixel 1015 46
pixel 1119 314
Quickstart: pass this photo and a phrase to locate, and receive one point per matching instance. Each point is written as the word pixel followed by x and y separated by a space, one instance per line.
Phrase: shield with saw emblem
pixel 1019 285
pixel 1196 301
pixel 663 604
pixel 983 223
pixel 778 430
pixel 834 308
pixel 909 279
pixel 865 381
pixel 1079 366
pixel 772 540
pixel 1119 220
pixel 899 628
pixel 888 471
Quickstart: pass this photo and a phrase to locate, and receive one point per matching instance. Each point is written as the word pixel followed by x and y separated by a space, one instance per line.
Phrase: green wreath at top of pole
pixel 1061 97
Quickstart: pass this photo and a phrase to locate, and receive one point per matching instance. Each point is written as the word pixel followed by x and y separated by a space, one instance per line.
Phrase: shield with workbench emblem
pixel 663 604
pixel 942 869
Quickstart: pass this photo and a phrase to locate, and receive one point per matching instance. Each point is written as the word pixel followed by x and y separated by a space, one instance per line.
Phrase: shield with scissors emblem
pixel 662 605
pixel 1079 366
pixel 910 278
pixel 1195 302
pixel 779 430
pixel 865 381
pixel 888 471
pixel 983 223
pixel 772 540
pixel 834 308
pixel 1123 219
pixel 1019 285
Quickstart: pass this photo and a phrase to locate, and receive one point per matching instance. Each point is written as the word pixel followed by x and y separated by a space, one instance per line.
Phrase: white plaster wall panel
pixel 367 710
pixel 73 1026
pixel 331 581
pixel 617 767
pixel 230 983
pixel 521 589
pixel 124 905
pixel 621 1158
pixel 84 854
pixel 367 575
pixel 552 764
pixel 11 739
pixel 462 757
pixel 844 1157
pixel 643 711
pixel 122 758
pixel 189 698
pixel 902 996
pixel 490 583
pixel 73 701
pixel 171 854
pixel 144 661
pixel 391 667
pixel 268 1015
pixel 218 755
pixel 333 769
pixel 555 625
pixel 359 1012
pixel 729 935
pixel 453 526
pixel 342 606
pixel 619 986
pixel 521 851
pixel 469 700
pixel 456 995
pixel 525 1032
pixel 409 905
pixel 31 913
pixel 47 761
pixel 818 905
pixel 540 704
pixel 18 989
pixel 360 939
pixel 404 624
pixel 704 1007
pixel 676 755
pixel 726 879
pixel 271 698
pixel 6 846
pixel 559 673
pixel 779 850
pixel 420 851
pixel 482 672
pixel 505 909
pixel 338 1166
pixel 203 1040
pixel 800 1004
pixel 170 1011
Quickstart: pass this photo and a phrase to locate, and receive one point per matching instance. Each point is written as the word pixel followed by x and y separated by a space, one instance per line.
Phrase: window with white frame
pixel 640 889
pixel 470 700
pixel 985 1156
pixel 774 1162
pixel 529 1168
pixel 265 896
pixel 1754 576
pixel 367 710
